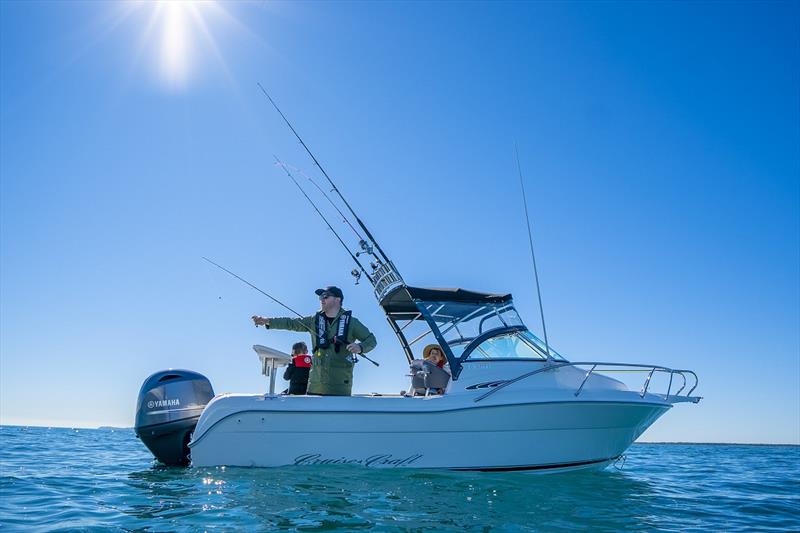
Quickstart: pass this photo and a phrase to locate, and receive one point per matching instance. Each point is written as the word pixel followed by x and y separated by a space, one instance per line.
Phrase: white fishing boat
pixel 509 401
pixel 507 407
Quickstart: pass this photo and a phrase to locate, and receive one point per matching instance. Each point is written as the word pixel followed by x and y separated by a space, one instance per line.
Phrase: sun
pixel 179 24
pixel 180 41
pixel 175 57
pixel 177 37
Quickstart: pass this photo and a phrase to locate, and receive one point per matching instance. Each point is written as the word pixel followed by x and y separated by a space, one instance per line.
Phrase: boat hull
pixel 438 432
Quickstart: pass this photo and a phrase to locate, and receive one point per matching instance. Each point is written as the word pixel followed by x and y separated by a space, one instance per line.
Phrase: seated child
pixel 434 354
pixel 429 376
pixel 298 369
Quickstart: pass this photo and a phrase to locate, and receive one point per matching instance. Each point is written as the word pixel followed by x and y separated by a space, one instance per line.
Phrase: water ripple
pixel 66 480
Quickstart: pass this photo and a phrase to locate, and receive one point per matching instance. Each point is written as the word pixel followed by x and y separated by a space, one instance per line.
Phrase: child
pixel 434 354
pixel 298 369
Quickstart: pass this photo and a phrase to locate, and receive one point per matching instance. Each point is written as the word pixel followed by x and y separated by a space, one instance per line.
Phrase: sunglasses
pixel 325 295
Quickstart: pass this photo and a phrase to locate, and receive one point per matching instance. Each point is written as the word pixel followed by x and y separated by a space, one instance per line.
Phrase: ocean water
pixel 105 480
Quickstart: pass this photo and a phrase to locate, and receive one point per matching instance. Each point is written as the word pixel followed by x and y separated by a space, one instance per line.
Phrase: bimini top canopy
pixel 402 300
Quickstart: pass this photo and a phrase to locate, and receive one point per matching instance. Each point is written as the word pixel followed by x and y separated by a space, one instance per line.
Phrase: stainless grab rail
pixel 589 373
pixel 647 383
pixel 638 368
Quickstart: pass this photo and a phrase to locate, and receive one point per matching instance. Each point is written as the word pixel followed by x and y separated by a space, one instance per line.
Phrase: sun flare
pixel 175 57
pixel 177 37
pixel 180 42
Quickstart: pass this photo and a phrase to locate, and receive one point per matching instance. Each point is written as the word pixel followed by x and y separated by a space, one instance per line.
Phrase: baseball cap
pixel 330 289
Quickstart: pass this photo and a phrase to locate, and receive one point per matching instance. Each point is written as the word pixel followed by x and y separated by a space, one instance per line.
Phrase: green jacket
pixel 331 372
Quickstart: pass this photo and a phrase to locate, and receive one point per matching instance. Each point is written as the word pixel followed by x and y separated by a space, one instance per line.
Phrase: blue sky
pixel 660 144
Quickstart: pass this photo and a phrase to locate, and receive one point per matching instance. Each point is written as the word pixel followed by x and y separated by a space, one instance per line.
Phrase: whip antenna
pixel 533 256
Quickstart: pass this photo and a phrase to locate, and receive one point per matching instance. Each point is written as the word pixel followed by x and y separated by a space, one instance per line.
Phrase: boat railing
pixel 600 366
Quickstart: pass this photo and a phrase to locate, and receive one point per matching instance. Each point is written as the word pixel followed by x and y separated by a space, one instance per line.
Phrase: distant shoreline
pixel 106 428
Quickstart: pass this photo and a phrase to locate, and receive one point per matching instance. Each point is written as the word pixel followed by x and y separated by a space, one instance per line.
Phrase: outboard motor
pixel 169 406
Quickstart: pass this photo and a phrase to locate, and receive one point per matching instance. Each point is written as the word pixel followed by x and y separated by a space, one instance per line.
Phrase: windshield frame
pixel 477 341
pixel 525 335
pixel 473 342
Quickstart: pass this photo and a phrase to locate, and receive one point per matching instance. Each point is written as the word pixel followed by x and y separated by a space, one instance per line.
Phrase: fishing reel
pixel 356 273
pixel 366 248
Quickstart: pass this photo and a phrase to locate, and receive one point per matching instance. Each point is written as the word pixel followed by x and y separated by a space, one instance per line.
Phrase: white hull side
pixel 419 433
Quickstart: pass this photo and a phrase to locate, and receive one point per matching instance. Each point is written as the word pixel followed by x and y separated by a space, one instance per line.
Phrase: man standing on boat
pixel 335 335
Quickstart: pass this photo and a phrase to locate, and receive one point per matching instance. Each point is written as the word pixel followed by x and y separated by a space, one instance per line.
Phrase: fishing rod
pixel 259 290
pixel 313 333
pixel 361 240
pixel 533 256
pixel 364 245
pixel 288 173
pixel 344 218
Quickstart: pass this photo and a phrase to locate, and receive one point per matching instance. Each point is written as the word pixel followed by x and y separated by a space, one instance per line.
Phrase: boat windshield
pixel 512 345
pixel 461 323
pixel 483 331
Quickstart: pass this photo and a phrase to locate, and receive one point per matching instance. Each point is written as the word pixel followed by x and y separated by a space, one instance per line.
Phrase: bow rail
pixel 616 367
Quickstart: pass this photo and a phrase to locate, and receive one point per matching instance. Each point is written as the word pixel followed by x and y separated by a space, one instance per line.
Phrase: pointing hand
pixel 260 320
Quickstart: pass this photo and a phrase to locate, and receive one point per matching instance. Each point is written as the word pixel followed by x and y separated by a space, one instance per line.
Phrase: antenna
pixel 533 256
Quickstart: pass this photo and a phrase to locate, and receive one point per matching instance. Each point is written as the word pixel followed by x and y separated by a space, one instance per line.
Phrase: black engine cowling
pixel 169 406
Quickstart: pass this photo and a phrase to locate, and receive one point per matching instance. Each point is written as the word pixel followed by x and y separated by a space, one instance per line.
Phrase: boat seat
pixel 426 378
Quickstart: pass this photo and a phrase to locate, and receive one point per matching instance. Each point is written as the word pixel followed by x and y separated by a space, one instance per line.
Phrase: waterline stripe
pixel 533 467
